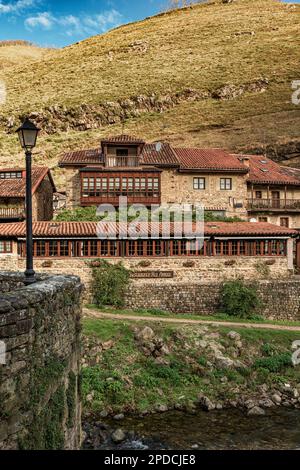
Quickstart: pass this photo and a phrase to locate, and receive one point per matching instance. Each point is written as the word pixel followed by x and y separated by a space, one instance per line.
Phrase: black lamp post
pixel 28 133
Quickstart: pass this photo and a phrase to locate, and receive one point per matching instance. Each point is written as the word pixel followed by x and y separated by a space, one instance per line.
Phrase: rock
pixel 119 417
pixel 107 345
pixel 266 403
pixel 162 408
pixel 239 344
pixel 202 344
pixel 164 349
pixel 103 414
pixel 90 397
pixel 118 436
pixel 224 380
pixel 206 404
pixel 295 393
pixel 234 335
pixel 256 411
pixel 239 365
pixel 146 334
pixel 276 398
pixel 223 362
pixel 219 406
pixel 195 446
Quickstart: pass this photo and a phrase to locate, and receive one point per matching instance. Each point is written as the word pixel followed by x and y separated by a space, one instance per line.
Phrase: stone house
pixel 224 251
pixel 13 193
pixel 273 192
pixel 246 186
pixel 155 173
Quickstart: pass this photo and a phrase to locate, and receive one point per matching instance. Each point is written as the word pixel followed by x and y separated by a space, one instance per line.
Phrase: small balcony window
pixel 122 152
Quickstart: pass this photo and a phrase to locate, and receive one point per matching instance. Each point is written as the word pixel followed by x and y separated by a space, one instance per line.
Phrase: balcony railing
pixel 146 198
pixel 274 204
pixel 12 213
pixel 118 162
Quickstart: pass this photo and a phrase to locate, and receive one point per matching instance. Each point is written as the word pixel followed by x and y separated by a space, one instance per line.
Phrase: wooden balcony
pixel 274 205
pixel 113 198
pixel 122 162
pixel 12 213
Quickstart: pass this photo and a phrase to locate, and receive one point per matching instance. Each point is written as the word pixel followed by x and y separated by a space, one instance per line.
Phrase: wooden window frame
pixel 223 182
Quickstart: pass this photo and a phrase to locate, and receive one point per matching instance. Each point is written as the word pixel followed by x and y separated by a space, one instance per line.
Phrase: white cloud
pixel 17 6
pixel 76 25
pixel 44 20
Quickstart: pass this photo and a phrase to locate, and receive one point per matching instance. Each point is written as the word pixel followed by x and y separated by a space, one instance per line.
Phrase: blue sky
pixel 62 22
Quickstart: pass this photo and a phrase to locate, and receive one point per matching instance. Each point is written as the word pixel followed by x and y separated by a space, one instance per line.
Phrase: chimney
pixel 245 160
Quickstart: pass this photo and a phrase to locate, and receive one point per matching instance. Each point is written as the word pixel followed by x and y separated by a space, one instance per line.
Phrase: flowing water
pixel 228 429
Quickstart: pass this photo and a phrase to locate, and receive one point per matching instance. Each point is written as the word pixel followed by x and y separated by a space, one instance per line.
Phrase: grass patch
pixel 222 317
pixel 126 379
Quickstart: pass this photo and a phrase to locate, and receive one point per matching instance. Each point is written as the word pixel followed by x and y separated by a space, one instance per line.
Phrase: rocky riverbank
pixel 131 368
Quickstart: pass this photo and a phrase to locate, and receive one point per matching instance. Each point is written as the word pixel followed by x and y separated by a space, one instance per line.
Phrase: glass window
pixel 226 184
pixel 64 248
pixel 122 152
pixel 40 247
pixel 199 183
pixel 53 248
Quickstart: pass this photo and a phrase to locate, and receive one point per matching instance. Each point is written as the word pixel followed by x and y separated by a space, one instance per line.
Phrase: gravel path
pixel 114 316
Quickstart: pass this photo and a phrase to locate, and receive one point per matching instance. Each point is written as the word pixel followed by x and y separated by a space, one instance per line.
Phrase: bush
pixel 274 363
pixel 239 300
pixel 109 284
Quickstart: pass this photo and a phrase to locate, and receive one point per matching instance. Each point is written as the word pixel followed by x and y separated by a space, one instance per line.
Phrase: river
pixel 216 430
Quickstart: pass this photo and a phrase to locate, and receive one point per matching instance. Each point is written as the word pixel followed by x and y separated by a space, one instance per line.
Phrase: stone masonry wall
pixel 280 298
pixel 186 270
pixel 39 382
pixel 179 188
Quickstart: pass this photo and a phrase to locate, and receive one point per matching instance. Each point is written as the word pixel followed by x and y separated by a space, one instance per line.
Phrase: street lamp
pixel 28 133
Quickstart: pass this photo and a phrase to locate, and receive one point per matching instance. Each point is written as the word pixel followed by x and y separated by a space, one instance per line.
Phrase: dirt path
pixel 114 316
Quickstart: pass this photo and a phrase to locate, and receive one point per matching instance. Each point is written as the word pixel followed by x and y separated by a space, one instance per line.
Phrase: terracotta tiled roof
pixel 82 157
pixel 123 139
pixel 209 160
pixel 159 154
pixel 265 171
pixel 294 172
pixel 17 187
pixel 89 229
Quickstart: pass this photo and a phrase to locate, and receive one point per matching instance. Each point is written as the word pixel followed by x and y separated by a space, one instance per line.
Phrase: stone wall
pixel 185 269
pixel 179 188
pixel 280 298
pixel 39 382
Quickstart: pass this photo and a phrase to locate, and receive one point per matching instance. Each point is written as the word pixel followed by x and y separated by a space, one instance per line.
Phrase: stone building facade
pixel 13 190
pixel 155 174
pixel 227 251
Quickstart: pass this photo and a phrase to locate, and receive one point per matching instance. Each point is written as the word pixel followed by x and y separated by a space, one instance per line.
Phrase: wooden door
pixel 276 199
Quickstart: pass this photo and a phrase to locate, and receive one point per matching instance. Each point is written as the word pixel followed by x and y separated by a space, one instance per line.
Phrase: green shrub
pixel 274 363
pixel 109 284
pixel 239 300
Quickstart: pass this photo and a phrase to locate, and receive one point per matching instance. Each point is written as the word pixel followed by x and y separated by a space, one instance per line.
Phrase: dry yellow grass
pixel 18 55
pixel 203 47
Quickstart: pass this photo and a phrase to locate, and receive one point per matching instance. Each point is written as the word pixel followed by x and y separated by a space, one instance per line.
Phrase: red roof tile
pixel 159 154
pixel 294 172
pixel 209 160
pixel 263 170
pixel 123 139
pixel 82 157
pixel 89 229
pixel 17 187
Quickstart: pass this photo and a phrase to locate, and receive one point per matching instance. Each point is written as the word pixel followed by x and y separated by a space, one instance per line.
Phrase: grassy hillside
pixel 211 75
pixel 18 53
